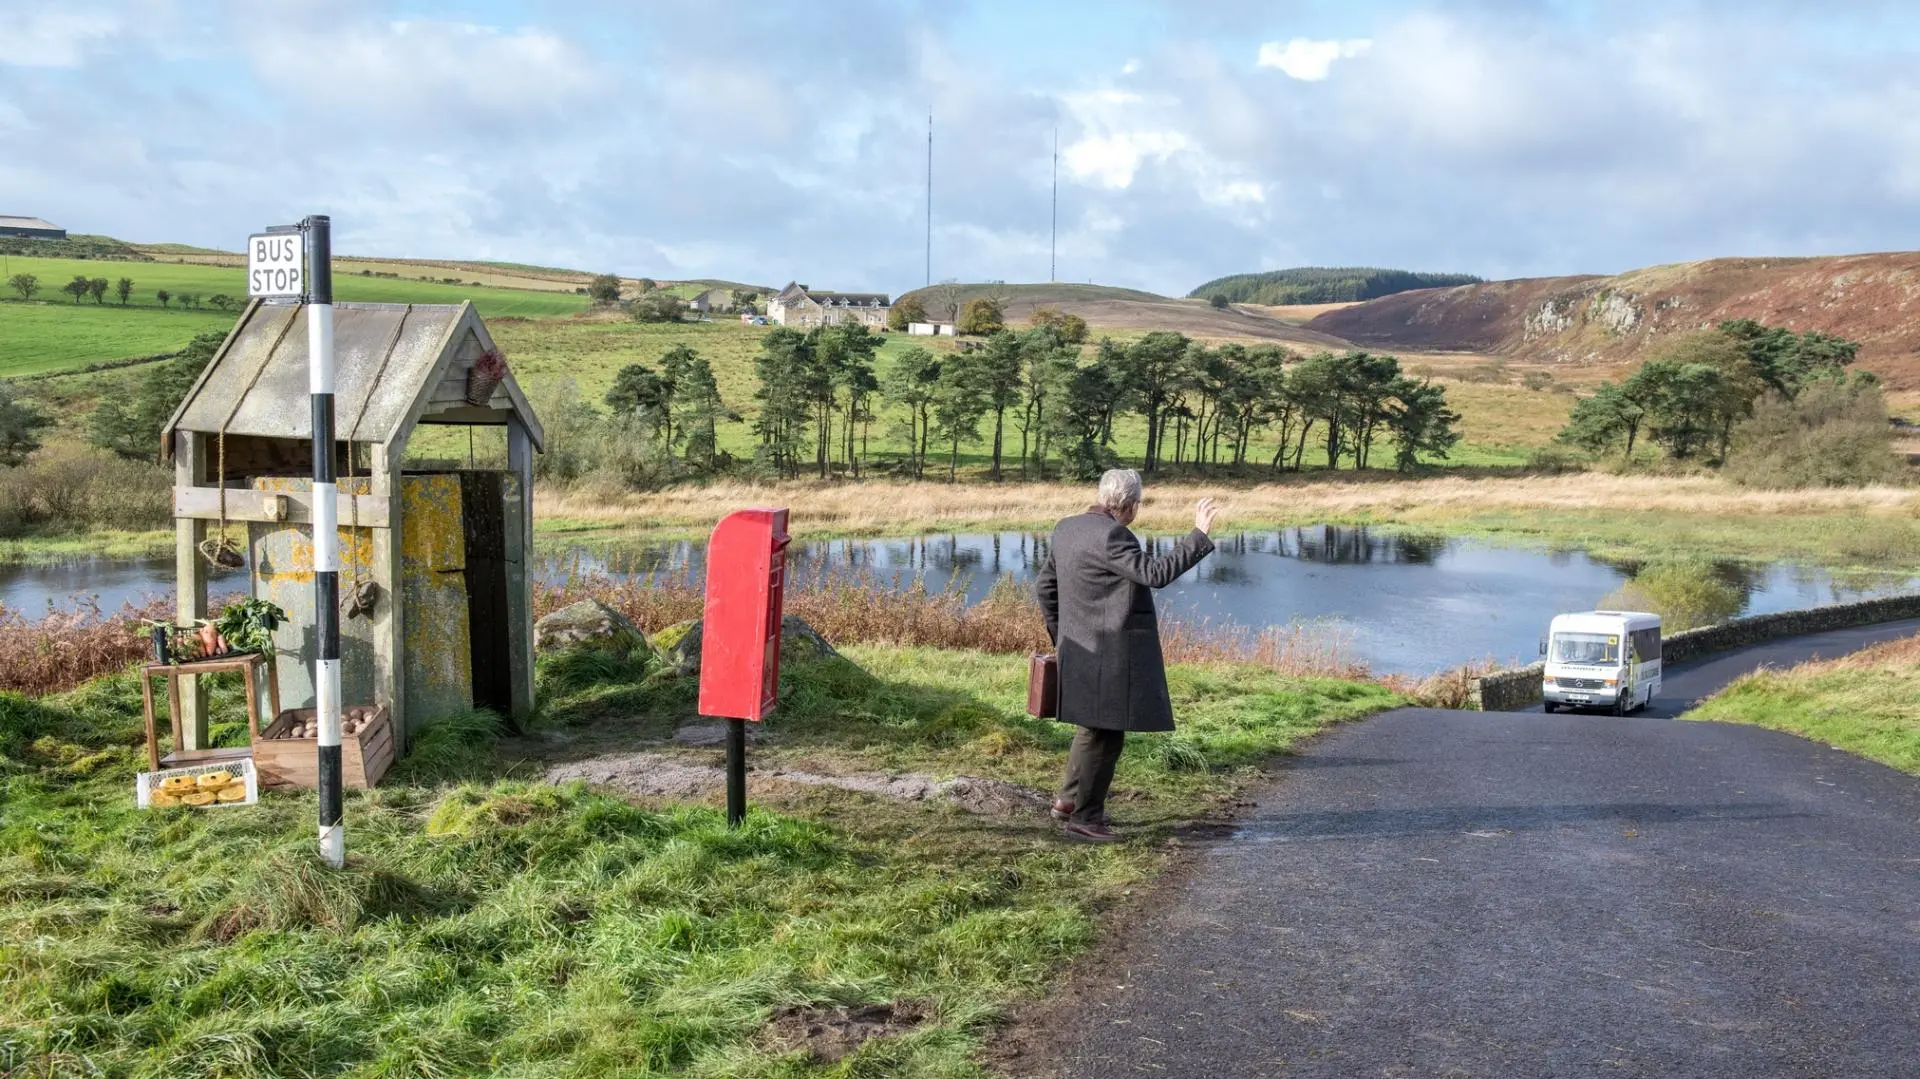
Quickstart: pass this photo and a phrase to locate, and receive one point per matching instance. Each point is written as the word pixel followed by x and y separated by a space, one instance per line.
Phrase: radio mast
pixel 929 199
pixel 1053 238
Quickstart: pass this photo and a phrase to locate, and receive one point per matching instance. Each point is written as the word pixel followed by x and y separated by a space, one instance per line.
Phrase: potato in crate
pixel 288 750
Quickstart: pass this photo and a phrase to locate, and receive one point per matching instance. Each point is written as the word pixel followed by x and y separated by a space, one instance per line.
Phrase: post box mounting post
pixel 740 635
pixel 736 772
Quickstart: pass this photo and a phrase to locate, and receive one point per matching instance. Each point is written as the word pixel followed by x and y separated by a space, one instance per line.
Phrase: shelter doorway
pixel 488 618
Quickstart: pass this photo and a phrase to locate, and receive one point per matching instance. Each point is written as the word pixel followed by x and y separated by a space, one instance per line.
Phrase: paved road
pixel 1438 893
pixel 1688 684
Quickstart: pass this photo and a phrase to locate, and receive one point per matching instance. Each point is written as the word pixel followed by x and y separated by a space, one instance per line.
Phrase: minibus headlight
pixel 1610 681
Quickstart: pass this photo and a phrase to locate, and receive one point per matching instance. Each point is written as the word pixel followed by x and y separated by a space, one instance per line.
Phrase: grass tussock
pixel 491 924
pixel 1866 703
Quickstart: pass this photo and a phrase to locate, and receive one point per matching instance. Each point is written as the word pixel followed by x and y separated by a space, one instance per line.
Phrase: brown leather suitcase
pixel 1043 687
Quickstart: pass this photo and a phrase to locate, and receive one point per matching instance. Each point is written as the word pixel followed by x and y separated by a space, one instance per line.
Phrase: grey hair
pixel 1119 489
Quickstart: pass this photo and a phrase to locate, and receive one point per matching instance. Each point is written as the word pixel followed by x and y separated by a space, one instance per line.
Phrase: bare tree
pixel 946 296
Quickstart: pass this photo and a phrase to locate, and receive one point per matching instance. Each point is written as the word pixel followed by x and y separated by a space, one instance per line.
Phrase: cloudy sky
pixel 764 142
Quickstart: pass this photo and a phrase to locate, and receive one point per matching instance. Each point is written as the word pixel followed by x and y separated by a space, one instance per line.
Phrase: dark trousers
pixel 1090 765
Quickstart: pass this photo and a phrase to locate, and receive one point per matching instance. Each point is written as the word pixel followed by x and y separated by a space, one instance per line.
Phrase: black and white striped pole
pixel 326 534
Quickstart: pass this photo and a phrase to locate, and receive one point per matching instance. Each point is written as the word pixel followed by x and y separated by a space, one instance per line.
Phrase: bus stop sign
pixel 274 266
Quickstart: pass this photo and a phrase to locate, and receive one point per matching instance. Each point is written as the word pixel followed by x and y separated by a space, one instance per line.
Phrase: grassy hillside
pixel 1323 284
pixel 52 333
pixel 175 277
pixel 1862 703
pixel 37 338
pixel 1628 317
pixel 1129 311
pixel 546 353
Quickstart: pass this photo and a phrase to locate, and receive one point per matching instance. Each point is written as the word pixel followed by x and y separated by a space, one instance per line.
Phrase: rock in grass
pixel 799 643
pixel 591 624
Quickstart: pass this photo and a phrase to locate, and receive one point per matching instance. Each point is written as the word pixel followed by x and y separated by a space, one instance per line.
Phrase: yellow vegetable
pixel 198 798
pixel 215 780
pixel 177 783
pixel 162 800
pixel 236 792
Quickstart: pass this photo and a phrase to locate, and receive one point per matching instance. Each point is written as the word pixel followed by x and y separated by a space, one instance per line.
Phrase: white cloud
pixel 416 68
pixel 1309 60
pixel 54 38
pixel 1481 139
pixel 1111 160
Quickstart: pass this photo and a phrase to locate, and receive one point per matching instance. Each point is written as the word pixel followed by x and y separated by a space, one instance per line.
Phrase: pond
pixel 1401 604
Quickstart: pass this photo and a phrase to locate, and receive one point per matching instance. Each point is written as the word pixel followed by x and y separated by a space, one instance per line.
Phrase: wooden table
pixel 247 663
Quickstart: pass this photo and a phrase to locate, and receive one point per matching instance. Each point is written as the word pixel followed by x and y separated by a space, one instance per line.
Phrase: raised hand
pixel 1205 514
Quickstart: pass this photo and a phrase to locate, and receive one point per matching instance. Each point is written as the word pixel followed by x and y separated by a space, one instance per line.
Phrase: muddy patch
pixel 830 1034
pixel 650 775
pixel 670 775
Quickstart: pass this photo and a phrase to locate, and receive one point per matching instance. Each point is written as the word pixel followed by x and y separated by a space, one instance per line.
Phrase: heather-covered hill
pixel 1873 299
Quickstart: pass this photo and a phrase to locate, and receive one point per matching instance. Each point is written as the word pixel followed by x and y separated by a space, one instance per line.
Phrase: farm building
pixel 714 299
pixel 31 228
pixel 797 305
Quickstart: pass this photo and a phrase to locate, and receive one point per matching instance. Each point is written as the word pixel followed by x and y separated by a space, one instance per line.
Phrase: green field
pixel 204 280
pixel 53 333
pixel 36 338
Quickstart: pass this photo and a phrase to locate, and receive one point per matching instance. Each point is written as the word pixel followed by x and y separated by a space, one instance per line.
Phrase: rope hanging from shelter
pixel 220 551
pixel 363 594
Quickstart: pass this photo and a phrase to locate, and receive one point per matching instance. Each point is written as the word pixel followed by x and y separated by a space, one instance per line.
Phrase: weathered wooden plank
pixel 389 614
pixel 520 563
pixel 200 504
pixel 190 579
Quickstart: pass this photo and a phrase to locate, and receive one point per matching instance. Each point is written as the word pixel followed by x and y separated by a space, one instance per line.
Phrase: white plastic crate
pixel 240 767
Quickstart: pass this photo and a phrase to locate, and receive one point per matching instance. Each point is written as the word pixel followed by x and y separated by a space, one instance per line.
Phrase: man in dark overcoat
pixel 1095 589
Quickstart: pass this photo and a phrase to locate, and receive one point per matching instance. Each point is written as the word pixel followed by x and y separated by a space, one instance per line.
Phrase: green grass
pixel 492 925
pixel 37 338
pixel 204 280
pixel 96 544
pixel 54 334
pixel 1867 704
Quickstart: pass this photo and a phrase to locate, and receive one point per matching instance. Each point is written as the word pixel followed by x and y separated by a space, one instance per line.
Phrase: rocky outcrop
pixel 799 643
pixel 590 624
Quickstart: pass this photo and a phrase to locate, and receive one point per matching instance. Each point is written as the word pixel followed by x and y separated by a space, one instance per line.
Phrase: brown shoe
pixel 1091 832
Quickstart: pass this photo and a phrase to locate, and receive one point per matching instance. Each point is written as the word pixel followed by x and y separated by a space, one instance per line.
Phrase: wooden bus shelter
pixel 442 549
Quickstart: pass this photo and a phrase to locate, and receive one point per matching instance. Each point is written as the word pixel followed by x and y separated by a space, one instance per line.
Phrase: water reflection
pixel 1405 603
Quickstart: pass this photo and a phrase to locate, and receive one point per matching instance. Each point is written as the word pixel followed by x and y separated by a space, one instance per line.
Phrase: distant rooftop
pixel 9 221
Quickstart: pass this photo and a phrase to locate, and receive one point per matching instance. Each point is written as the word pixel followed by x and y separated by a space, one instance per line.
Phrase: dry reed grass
pixel 907 508
pixel 861 608
pixel 68 647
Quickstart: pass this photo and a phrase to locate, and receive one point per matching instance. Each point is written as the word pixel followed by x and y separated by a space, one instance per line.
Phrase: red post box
pixel 740 638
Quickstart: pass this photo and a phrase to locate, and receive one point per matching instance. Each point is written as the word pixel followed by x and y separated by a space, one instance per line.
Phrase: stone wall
pixel 1507 691
pixel 1691 644
pixel 1504 691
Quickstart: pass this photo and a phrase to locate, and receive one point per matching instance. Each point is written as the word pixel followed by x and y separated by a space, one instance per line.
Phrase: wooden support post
pixel 390 614
pixel 520 578
pixel 190 579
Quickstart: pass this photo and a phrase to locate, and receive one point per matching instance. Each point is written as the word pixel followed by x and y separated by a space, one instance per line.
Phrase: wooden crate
pixel 364 756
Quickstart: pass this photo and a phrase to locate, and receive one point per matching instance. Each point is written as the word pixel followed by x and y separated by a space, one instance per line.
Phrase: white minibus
pixel 1602 659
